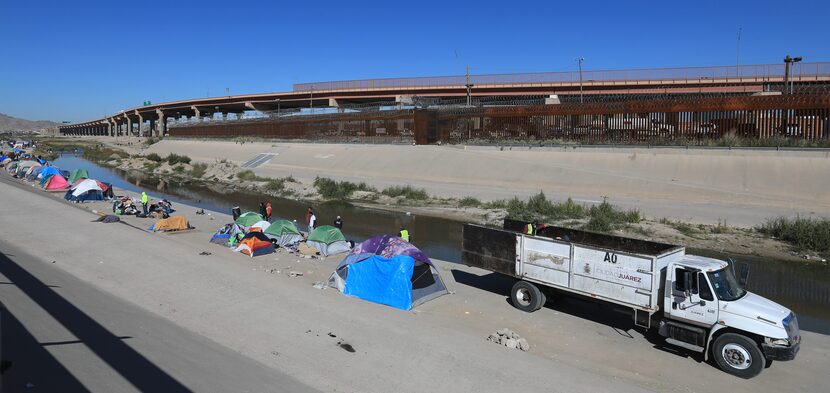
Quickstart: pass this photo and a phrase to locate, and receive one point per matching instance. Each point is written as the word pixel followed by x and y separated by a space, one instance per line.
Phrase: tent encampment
pixel 255 244
pixel 86 190
pixel 170 224
pixel 389 246
pixel 56 183
pixel 261 226
pixel 399 281
pixel 46 172
pixel 223 235
pixel 284 233
pixel 77 174
pixel 247 219
pixel 328 240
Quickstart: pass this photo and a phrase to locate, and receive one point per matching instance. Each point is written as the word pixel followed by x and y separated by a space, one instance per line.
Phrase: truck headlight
pixel 781 342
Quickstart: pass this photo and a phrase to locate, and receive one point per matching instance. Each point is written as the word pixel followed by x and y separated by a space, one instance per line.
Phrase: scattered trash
pixel 510 339
pixel 200 211
pixel 332 334
pixel 347 347
pixel 275 353
pixel 295 274
pixel 205 253
pixel 320 285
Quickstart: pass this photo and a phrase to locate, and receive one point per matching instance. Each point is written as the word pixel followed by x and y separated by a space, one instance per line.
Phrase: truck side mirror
pixel 744 276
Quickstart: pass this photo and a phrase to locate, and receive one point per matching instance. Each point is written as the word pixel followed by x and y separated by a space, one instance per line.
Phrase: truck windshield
pixel 725 285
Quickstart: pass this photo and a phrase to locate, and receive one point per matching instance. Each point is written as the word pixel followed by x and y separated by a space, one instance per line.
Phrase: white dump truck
pixel 695 302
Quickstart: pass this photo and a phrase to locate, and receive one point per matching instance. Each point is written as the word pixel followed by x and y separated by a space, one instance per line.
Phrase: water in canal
pixel 802 287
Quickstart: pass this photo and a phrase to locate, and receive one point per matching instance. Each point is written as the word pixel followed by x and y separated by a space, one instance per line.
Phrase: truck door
pixel 692 298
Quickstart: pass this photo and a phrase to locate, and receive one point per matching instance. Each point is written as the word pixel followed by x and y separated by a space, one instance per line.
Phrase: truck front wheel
pixel 738 355
pixel 527 297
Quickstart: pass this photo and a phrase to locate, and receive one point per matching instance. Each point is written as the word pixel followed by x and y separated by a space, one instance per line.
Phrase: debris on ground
pixel 205 253
pixel 509 339
pixel 106 219
pixel 295 274
pixel 320 285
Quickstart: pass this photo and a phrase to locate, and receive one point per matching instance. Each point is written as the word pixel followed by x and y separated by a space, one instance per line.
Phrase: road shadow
pixel 26 364
pixel 617 318
pixel 143 374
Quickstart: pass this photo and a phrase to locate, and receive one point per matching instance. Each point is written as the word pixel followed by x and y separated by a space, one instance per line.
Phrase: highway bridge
pixel 749 79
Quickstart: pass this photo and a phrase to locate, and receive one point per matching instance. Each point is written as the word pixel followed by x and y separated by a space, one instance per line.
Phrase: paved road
pixel 60 334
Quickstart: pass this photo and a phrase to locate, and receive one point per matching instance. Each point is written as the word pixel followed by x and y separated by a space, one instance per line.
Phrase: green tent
pixel 326 234
pixel 282 227
pixel 248 218
pixel 78 174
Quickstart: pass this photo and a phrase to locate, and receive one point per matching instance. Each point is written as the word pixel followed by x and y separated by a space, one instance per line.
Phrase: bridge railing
pixel 749 72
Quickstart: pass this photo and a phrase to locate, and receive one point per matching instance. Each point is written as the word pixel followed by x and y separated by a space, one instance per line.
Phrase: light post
pixel 469 87
pixel 787 69
pixel 738 54
pixel 580 60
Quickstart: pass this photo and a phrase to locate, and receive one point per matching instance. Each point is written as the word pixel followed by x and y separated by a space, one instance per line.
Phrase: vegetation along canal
pixel 802 287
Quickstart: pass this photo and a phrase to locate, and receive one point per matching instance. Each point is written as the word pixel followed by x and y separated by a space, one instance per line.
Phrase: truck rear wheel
pixel 527 297
pixel 738 355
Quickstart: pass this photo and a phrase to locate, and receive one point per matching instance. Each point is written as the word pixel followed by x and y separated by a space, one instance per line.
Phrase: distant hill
pixel 8 123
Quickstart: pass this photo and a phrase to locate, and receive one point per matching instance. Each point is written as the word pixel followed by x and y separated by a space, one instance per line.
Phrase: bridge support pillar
pixel 162 126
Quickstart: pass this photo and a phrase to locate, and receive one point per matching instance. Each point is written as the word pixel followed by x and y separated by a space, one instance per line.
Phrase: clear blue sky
pixel 77 60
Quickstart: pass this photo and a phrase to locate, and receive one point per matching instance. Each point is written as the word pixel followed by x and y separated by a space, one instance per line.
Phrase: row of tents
pixel 383 269
pixel 77 185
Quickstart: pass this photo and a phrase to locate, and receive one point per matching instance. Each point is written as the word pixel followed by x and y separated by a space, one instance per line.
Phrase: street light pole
pixel 738 54
pixel 580 60
pixel 469 88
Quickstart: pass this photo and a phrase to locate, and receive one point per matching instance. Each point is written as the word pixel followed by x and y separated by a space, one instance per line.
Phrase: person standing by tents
pixel 268 211
pixel 312 220
pixel 404 234
pixel 338 223
pixel 262 209
pixel 144 201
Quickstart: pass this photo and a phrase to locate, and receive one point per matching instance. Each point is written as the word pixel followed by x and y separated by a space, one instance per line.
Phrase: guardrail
pixel 743 73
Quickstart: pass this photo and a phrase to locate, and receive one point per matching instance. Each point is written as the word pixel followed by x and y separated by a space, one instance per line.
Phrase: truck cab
pixel 706 307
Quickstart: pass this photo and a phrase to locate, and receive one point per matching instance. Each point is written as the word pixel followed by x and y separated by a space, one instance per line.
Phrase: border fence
pixel 691 120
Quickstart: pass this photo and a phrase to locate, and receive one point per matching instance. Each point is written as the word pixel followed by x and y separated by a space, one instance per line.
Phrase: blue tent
pixel 399 281
pixel 46 173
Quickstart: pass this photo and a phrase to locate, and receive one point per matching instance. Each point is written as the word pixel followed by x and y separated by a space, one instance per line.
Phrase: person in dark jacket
pixel 338 223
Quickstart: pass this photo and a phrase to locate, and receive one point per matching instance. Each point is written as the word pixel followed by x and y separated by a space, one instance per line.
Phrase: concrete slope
pixel 281 322
pixel 743 187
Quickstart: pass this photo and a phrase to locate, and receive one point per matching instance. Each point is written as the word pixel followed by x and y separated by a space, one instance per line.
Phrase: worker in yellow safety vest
pixel 404 234
pixel 144 201
pixel 530 228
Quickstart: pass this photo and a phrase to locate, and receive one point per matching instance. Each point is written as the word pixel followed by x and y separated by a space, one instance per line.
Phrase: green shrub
pixel 803 233
pixel 198 170
pixel 407 191
pixel 174 159
pixel 684 228
pixel 275 185
pixel 606 217
pixel 153 157
pixel 247 175
pixel 538 207
pixel 497 204
pixel 331 189
pixel 469 202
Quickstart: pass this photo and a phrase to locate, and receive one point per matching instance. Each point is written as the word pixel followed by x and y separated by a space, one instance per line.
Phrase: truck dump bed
pixel 617 269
